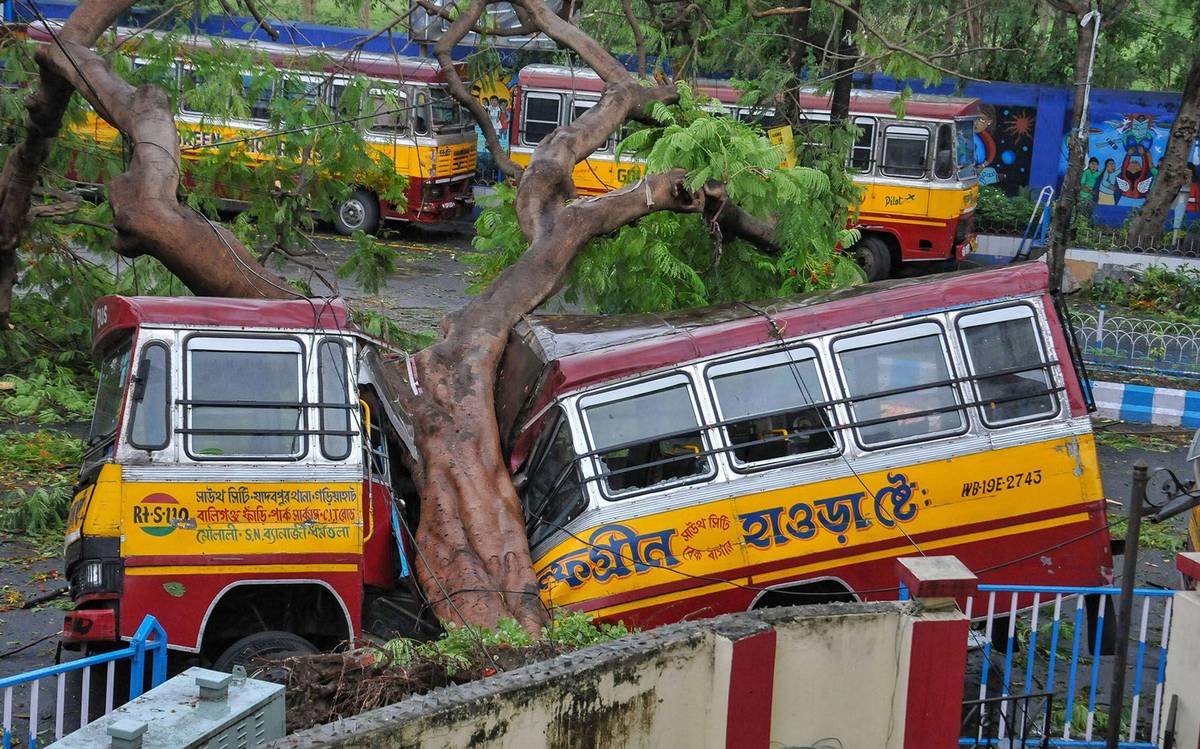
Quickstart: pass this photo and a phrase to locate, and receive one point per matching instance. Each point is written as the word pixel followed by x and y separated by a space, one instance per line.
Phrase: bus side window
pixel 1007 358
pixel 943 160
pixel 388 115
pixel 768 404
pixel 578 107
pixel 540 116
pixel 904 150
pixel 150 420
pixel 308 89
pixel 647 436
pixel 554 496
pixel 890 378
pixel 259 94
pixel 420 114
pixel 332 376
pixel 190 80
pixel 862 153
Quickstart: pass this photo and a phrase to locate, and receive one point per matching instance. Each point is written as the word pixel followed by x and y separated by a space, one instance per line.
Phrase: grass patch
pixel 1168 294
pixel 1158 443
pixel 1161 536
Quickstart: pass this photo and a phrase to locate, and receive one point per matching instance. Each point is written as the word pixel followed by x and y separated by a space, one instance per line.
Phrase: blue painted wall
pixel 1128 128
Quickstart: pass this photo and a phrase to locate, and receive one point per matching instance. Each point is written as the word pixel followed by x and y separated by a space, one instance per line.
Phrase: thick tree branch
pixel 639 39
pixel 45 109
pixel 147 215
pixel 443 50
pixel 734 221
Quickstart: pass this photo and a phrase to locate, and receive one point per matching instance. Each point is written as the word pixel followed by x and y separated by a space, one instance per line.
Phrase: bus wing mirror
pixel 139 379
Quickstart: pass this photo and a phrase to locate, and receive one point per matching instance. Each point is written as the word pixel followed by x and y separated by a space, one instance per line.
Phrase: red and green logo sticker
pixel 159 514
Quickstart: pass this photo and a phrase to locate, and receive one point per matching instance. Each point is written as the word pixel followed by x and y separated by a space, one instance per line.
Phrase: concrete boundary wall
pixel 883 675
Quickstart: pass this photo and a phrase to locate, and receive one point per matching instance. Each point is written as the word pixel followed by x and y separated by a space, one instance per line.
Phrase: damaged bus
pixel 242 480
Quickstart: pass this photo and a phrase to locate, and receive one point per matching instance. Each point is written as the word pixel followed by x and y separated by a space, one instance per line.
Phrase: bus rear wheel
pixel 873 255
pixel 358 212
pixel 255 653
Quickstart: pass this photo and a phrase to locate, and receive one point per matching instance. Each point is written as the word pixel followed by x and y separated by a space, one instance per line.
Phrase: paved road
pixel 430 279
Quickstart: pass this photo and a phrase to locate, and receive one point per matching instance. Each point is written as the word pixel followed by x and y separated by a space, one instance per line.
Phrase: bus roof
pixel 583 349
pixel 113 314
pixel 410 69
pixel 861 101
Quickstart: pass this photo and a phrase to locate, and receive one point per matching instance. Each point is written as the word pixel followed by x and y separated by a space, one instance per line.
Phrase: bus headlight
pixel 91 575
pixel 96 576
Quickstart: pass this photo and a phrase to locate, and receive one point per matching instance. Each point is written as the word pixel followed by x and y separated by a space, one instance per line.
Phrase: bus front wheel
pixel 254 652
pixel 358 212
pixel 873 255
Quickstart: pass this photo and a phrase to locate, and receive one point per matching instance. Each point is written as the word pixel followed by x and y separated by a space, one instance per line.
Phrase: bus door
pixel 903 185
pixel 390 126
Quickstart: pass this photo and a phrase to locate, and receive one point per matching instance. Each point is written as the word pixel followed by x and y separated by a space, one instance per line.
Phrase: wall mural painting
pixel 1122 161
pixel 494 91
pixel 1004 145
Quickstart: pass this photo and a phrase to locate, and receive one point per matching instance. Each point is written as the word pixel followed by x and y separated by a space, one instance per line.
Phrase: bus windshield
pixel 964 131
pixel 445 112
pixel 114 371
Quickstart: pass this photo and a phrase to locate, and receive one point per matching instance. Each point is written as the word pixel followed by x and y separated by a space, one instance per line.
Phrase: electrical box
pixel 198 709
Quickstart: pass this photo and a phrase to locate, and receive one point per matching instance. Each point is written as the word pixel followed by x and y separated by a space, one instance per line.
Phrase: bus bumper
pixel 431 202
pixel 89 625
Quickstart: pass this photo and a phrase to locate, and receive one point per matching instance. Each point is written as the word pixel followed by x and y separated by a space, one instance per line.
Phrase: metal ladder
pixel 1035 238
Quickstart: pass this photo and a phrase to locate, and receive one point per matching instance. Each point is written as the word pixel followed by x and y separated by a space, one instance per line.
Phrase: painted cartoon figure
pixel 1137 171
pixel 1137 168
pixel 1089 181
pixel 1107 192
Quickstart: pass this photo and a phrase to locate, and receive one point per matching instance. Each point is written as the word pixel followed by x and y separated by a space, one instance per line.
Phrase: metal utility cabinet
pixel 198 709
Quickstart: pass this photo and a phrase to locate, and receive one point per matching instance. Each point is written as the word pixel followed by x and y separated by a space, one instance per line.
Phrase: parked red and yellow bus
pixel 417 127
pixel 917 174
pixel 241 480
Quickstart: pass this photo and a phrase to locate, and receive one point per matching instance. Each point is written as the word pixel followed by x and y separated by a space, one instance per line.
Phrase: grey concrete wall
pixel 669 687
pixel 1183 670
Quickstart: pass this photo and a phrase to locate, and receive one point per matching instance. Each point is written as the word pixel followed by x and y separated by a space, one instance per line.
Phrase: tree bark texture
pixel 149 219
pixel 847 59
pixel 1061 223
pixel 45 108
pixel 1174 171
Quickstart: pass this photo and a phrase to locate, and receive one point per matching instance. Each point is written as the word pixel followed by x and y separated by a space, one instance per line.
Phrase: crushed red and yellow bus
pixel 243 479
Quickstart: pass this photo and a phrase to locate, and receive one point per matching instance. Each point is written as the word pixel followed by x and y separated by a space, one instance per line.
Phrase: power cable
pixel 777 333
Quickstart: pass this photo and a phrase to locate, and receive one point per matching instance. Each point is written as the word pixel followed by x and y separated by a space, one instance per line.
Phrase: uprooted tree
pixel 476 561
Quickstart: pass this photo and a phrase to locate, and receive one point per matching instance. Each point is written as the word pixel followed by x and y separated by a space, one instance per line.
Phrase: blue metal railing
pixel 150 639
pixel 1035 661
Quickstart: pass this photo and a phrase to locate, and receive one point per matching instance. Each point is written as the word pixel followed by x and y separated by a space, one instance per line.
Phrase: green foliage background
pixel 296 181
pixel 668 260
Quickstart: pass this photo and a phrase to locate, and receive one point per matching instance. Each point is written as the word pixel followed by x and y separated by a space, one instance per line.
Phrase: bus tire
pixel 873 255
pixel 358 212
pixel 252 649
